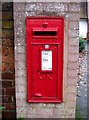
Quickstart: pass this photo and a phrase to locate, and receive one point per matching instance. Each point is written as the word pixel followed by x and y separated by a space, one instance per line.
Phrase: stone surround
pixel 70 11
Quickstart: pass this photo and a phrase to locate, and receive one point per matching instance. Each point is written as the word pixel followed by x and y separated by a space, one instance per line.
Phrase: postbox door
pixel 45 80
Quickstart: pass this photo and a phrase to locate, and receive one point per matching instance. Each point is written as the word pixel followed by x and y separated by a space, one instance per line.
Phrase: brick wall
pixel 70 11
pixel 0 58
pixel 8 72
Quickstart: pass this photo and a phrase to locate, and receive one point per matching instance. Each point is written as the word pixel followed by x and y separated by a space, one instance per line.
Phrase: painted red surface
pixel 44 83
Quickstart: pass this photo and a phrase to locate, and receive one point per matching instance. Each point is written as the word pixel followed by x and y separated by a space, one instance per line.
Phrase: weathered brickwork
pixel 0 58
pixel 70 11
pixel 8 71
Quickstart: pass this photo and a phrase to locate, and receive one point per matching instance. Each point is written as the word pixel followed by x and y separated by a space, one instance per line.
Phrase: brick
pixel 10 106
pixel 14 99
pixel 0 51
pixel 38 116
pixel 19 32
pixel 4 67
pixel 11 50
pixel 58 111
pixel 44 111
pixel 50 106
pixel 20 57
pixel 31 14
pixel 56 7
pixel 0 83
pixel 20 88
pixel 8 115
pixel 0 65
pixel 0 7
pixel 31 7
pixel 61 7
pixel 72 73
pixel 0 41
pixel 20 15
pixel 38 105
pixel 19 6
pixel 73 25
pixel 74 7
pixel 32 111
pixel 20 80
pixel 40 7
pixel 59 106
pixel 7 99
pixel 1 100
pixel 70 104
pixel 7 42
pixel 73 58
pixel 70 111
pixel 71 81
pixel 6 84
pixel 21 96
pixel 22 103
pixel 58 116
pixel 73 33
pixel 73 16
pixel 70 116
pixel 72 66
pixel 10 91
pixel 0 58
pixel 23 114
pixel 8 59
pixel 0 94
pixel 74 41
pixel 21 109
pixel 0 24
pixel 4 59
pixel 7 24
pixel 0 33
pixel 20 73
pixel 7 75
pixel 20 65
pixel 7 34
pixel 0 16
pixel 7 6
pixel 2 91
pixel 73 49
pixel 7 16
pixel 4 51
pixel 20 49
pixel 19 23
pixel 11 67
pixel 20 41
pixel 71 89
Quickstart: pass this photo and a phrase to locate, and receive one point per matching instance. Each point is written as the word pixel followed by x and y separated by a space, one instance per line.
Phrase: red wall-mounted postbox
pixel 44 46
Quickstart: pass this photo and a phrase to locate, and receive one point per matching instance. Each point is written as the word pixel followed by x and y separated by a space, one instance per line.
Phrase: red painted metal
pixel 44 38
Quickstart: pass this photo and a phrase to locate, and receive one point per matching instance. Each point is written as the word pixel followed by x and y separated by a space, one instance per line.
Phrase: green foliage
pixel 21 118
pixel 1 108
pixel 78 115
pixel 81 44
